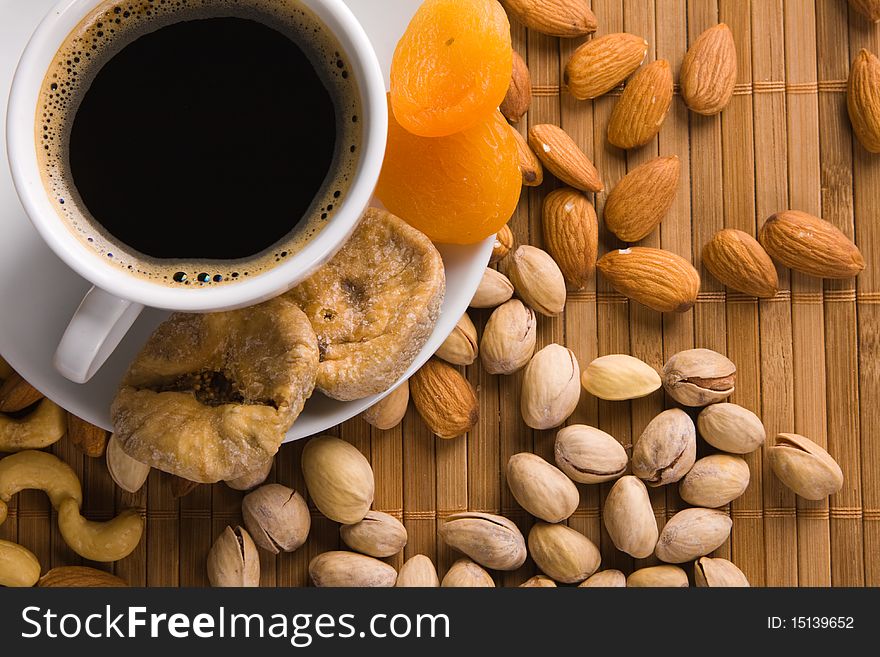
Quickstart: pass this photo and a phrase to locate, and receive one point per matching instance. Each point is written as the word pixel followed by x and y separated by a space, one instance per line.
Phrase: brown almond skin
pixel 638 203
pixel 519 95
pixel 504 240
pixel 641 110
pixel 739 261
pixel 561 18
pixel 181 487
pixel 91 440
pixel 870 9
pixel 656 278
pixel 603 63
pixel 810 245
pixel 529 164
pixel 708 71
pixel 563 158
pixel 571 235
pixel 863 100
pixel 16 394
pixel 79 577
pixel 444 398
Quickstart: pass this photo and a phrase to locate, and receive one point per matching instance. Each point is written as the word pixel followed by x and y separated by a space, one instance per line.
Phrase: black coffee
pixel 175 138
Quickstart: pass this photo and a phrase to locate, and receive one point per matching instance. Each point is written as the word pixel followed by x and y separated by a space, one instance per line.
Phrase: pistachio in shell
pixel 538 582
pixel 253 478
pixel 460 346
pixel 277 518
pixel 666 449
pixel 388 412
pixel 805 467
pixel 629 518
pixel 339 479
pixel 692 533
pixel 562 553
pixel 698 377
pixel 494 289
pixel 378 535
pixel 508 341
pixel 490 540
pixel 731 428
pixel 464 573
pixel 541 488
pixel 715 480
pixel 589 455
pixel 551 387
pixel 233 560
pixel 658 576
pixel 718 573
pixel 418 572
pixel 339 568
pixel 604 579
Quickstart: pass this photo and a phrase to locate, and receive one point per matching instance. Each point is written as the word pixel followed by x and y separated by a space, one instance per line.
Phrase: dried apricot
pixel 457 189
pixel 452 66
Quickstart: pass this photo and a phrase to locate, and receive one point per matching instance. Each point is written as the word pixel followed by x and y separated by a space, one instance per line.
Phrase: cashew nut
pixel 18 565
pixel 41 471
pixel 98 541
pixel 42 427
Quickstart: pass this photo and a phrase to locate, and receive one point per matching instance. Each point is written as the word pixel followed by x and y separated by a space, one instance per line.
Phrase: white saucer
pixel 38 293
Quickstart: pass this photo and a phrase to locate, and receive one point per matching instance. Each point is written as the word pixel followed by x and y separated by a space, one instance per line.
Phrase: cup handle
pixel 95 330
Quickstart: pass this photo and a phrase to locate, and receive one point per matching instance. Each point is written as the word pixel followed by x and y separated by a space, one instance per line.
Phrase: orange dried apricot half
pixel 457 189
pixel 452 66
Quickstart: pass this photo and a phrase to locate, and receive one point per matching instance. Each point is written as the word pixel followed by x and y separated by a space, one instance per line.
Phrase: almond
pixel 503 240
pixel 529 164
pixel 708 72
pixel 519 94
pixel 863 100
pixel 561 18
pixel 90 440
pixel 870 9
pixel 640 112
pixel 562 157
pixel 737 259
pixel 656 278
pixel 603 63
pixel 638 203
pixel 571 235
pixel 181 487
pixel 810 245
pixel 16 394
pixel 79 577
pixel 444 398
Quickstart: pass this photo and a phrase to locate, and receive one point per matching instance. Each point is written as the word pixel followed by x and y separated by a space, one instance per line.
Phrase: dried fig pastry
pixel 373 306
pixel 210 397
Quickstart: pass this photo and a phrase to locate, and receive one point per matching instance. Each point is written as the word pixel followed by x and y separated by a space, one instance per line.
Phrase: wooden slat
pixel 808 360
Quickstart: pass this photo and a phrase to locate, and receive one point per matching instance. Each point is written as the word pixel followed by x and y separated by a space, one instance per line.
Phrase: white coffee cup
pixel 117 298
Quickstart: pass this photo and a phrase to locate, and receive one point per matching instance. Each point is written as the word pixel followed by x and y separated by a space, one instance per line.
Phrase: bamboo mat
pixel 808 360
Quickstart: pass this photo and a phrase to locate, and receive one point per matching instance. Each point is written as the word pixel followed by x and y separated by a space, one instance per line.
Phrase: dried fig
pixel 211 396
pixel 373 306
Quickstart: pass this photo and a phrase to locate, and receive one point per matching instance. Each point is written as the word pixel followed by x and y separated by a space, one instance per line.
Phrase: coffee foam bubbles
pixel 114 25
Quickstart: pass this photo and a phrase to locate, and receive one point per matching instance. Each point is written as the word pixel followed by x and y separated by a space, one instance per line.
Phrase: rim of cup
pixel 22 152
